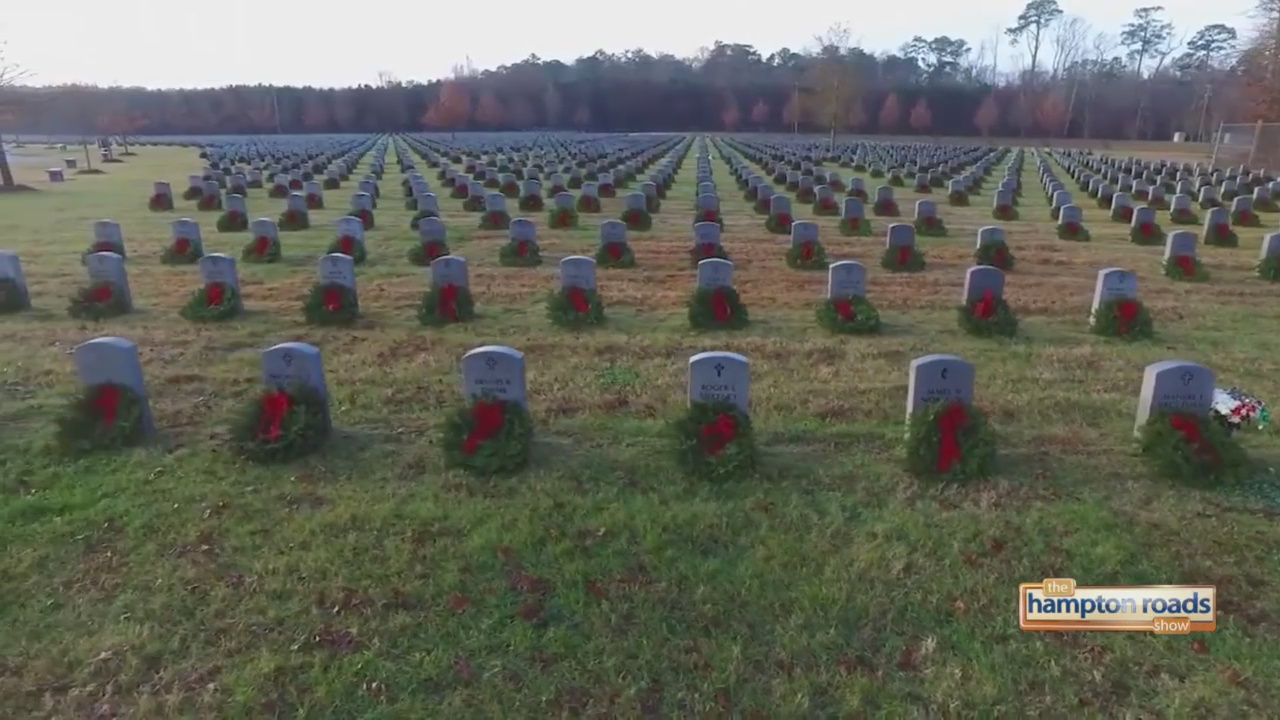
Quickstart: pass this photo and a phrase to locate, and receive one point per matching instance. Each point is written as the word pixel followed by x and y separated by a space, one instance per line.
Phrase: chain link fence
pixel 1255 145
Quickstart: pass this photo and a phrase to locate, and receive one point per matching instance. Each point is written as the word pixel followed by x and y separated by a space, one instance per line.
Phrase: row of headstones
pixel 480 173
pixel 1125 173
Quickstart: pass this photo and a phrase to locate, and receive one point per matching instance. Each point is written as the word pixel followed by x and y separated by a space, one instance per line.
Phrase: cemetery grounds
pixel 367 581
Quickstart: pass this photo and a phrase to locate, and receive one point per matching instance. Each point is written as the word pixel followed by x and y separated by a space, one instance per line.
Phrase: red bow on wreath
pixel 904 255
pixel 1000 257
pixel 1146 229
pixel 717 434
pixel 709 215
pixel 487 419
pixel 1189 427
pixel 707 249
pixel 347 245
pixel 577 298
pixel 844 308
pixel 106 403
pixel 985 307
pixel 447 304
pixel 104 246
pixel 332 299
pixel 1071 227
pixel 950 422
pixel 1245 217
pixel 101 294
pixel 261 245
pixel 214 294
pixel 1126 313
pixel 522 248
pixel 806 251
pixel 929 221
pixel 720 306
pixel 614 250
pixel 181 246
pixel 853 222
pixel 783 219
pixel 1187 264
pixel 275 407
pixel 1223 231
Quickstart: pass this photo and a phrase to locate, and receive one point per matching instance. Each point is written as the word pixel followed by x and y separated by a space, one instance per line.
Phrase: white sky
pixel 168 43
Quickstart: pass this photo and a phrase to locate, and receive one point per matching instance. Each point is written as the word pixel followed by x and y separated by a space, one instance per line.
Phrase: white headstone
pixel 337 268
pixel 450 270
pixel 1174 386
pixel 1113 284
pixel 714 273
pixel 11 269
pixel 846 278
pixel 219 268
pixel 938 378
pixel 494 371
pixel 1179 243
pixel 980 279
pixel 720 377
pixel 613 231
pixel 109 267
pixel 578 271
pixel 114 360
pixel 294 364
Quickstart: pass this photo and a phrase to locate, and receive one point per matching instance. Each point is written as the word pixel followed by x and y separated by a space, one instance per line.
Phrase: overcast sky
pixel 161 43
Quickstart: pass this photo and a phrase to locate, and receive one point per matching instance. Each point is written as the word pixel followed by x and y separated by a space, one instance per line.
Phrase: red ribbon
pixel 783 219
pixel 717 434
pixel 1071 227
pixel 522 248
pixel 1223 231
pixel 929 221
pixel 806 251
pixel 720 306
pixel 904 255
pixel 332 299
pixel 433 249
pixel 854 222
pixel 707 249
pixel 106 402
pixel 275 407
pixel 1000 257
pixel 614 250
pixel 101 294
pixel 844 308
pixel 214 294
pixel 985 307
pixel 103 246
pixel 446 304
pixel 1146 229
pixel 578 300
pixel 709 215
pixel 1189 428
pixel 261 245
pixel 487 419
pixel 1126 313
pixel 1187 264
pixel 181 246
pixel 1245 217
pixel 950 421
pixel 347 245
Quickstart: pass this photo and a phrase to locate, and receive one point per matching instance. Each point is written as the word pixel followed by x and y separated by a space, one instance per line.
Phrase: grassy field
pixel 176 581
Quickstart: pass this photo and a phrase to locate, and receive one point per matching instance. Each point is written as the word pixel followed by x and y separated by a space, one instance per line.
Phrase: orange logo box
pixel 1060 605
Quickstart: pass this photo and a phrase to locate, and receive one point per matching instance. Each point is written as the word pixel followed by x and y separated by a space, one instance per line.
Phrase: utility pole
pixel 1204 110
pixel 275 106
pixel 795 105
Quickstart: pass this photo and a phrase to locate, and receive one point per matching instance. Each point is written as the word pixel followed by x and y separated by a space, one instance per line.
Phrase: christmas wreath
pixel 615 255
pixel 852 315
pixel 806 195
pixel 923 188
pixel 349 246
pixel 958 199
pixel 531 203
pixel 460 191
pixel 653 204
pixel 714 442
pixel 282 424
pixel 215 301
pixel 1269 268
pixel 1234 409
pixel 931 226
pixel 262 249
pixel 1124 318
pixel 192 193
pixel 638 220
pixel 711 216
pixel 854 227
pixel 160 202
pixel 588 204
pixel 988 316
pixel 1184 216
pixel 1004 212
pixel 995 254
pixel 232 221
pixel 903 258
pixel 897 180
pixel 562 218
pixel 209 203
pixel 1146 233
pixel 106 246
pixel 886 208
pixel 779 224
pixel 422 253
pixel 442 305
pixel 1185 267
pixel 293 220
pixel 510 189
pixel 331 304
pixel 761 206
pixel 1191 448
pixel 489 437
pixel 1209 203
pixel 1072 230
pixel 419 216
pixel 575 307
pixel 717 308
pixel 13 297
pixel 98 301
pixel 950 441
pixel 103 417
pixel 495 220
pixel 807 256
pixel 1122 214
pixel 331 183
pixel 707 251
pixel 519 253
pixel 182 251
pixel 1221 235
pixel 295 184
pixel 366 217
pixel 1246 218
pixel 857 193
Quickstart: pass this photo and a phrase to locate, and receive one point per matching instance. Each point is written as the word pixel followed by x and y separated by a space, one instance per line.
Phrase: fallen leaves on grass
pixel 1200 647
pixel 459 603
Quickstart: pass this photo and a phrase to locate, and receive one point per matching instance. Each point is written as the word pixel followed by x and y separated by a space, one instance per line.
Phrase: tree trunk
pixel 125 142
pixel 6 173
pixel 88 161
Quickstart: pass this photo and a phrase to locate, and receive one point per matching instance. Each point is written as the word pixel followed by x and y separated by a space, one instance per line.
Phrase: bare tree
pixel 1069 39
pixel 833 79
pixel 10 75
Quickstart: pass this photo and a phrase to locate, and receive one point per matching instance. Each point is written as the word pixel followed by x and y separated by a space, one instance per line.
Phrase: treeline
pixel 1147 81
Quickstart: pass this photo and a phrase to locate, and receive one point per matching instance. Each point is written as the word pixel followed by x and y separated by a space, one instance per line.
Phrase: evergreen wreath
pixel 1146 234
pixel 331 304
pixel 951 442
pixel 903 258
pixel 519 253
pixel 282 424
pixel 314 201
pixel 615 255
pixel 349 246
pixel 488 437
pixel 193 193
pixel 365 216
pixel 419 216
pixel 1246 218
pixel 232 221
pixel 107 416
pixel 160 202
pixel 1185 267
pixel 1004 212
pixel 1124 318
pixel 1191 449
pixel 215 301
pixel 930 226
pixel 807 256
pixel 1184 216
pixel 761 206
pixel 1122 214
pixel 446 304
pixel 988 316
pixel 98 301
pixel 995 254
pixel 495 220
pixel 779 224
pixel 707 251
pixel 209 203
pixel 562 218
pixel 958 199
pixel 575 307
pixel 1269 269
pixel 586 203
pixel 294 220
pixel 331 183
pixel 106 246
pixel 714 441
pixel 855 227
pixel 637 220
pixel 182 251
pixel 262 249
pixel 13 297
pixel 422 253
pixel 1221 235
pixel 852 315
pixel 1072 230
pixel 531 203
pixel 717 308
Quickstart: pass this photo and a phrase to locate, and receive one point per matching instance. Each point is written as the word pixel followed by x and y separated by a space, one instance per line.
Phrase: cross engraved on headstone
pixel 943 374
pixel 491 363
pixel 288 359
pixel 1187 378
pixel 719 368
